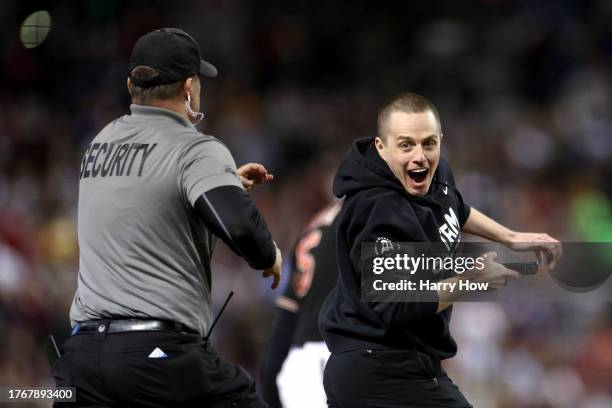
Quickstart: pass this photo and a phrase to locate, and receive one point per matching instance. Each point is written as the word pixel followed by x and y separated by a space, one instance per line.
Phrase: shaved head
pixel 406 102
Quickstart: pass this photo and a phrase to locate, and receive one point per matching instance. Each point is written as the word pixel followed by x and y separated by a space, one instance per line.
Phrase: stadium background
pixel 524 90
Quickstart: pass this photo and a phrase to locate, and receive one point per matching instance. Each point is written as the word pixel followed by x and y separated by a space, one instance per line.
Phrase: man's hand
pixel 546 248
pixel 275 270
pixel 252 174
pixel 493 273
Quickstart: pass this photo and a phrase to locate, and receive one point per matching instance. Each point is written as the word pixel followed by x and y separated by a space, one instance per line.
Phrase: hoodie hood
pixel 363 168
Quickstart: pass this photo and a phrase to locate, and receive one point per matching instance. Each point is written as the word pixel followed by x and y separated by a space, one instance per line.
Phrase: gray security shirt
pixel 144 253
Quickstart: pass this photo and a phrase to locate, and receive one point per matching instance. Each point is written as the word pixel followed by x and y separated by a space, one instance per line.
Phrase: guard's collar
pixel 146 110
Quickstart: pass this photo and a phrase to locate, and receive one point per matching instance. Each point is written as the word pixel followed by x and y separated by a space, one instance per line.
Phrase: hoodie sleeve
pixel 391 220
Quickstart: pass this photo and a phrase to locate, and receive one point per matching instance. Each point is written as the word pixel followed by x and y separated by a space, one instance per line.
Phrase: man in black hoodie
pixel 397 188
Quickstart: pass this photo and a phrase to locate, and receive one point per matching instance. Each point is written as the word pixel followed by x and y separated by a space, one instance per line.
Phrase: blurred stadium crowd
pixel 525 94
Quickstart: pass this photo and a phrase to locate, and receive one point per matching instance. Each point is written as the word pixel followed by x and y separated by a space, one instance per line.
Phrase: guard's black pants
pixel 389 378
pixel 115 370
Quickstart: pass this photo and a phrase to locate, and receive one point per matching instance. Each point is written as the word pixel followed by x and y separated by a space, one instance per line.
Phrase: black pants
pixel 389 378
pixel 115 370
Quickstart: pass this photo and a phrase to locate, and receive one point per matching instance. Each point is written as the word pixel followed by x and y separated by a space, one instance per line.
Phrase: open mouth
pixel 418 175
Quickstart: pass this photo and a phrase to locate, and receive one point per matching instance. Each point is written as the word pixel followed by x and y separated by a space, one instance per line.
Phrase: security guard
pixel 154 194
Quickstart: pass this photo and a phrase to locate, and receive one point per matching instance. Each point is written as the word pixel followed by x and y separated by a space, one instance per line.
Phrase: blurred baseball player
pixel 399 189
pixel 154 193
pixel 292 374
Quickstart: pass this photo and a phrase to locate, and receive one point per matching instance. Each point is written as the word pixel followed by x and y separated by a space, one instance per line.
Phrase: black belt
pixel 129 325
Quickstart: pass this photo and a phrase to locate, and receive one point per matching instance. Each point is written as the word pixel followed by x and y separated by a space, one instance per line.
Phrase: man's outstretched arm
pixel 230 214
pixel 485 227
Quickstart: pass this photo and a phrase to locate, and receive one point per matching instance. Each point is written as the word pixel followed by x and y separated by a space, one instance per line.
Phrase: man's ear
pixel 380 146
pixel 129 84
pixel 187 86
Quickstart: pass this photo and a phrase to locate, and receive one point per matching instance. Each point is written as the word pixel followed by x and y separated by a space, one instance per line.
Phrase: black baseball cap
pixel 172 53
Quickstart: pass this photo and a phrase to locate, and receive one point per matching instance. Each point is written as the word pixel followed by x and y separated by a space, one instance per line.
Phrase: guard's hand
pixel 547 249
pixel 253 174
pixel 275 270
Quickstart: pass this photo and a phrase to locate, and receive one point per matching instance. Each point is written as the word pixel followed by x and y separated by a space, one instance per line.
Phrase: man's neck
pixel 173 105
